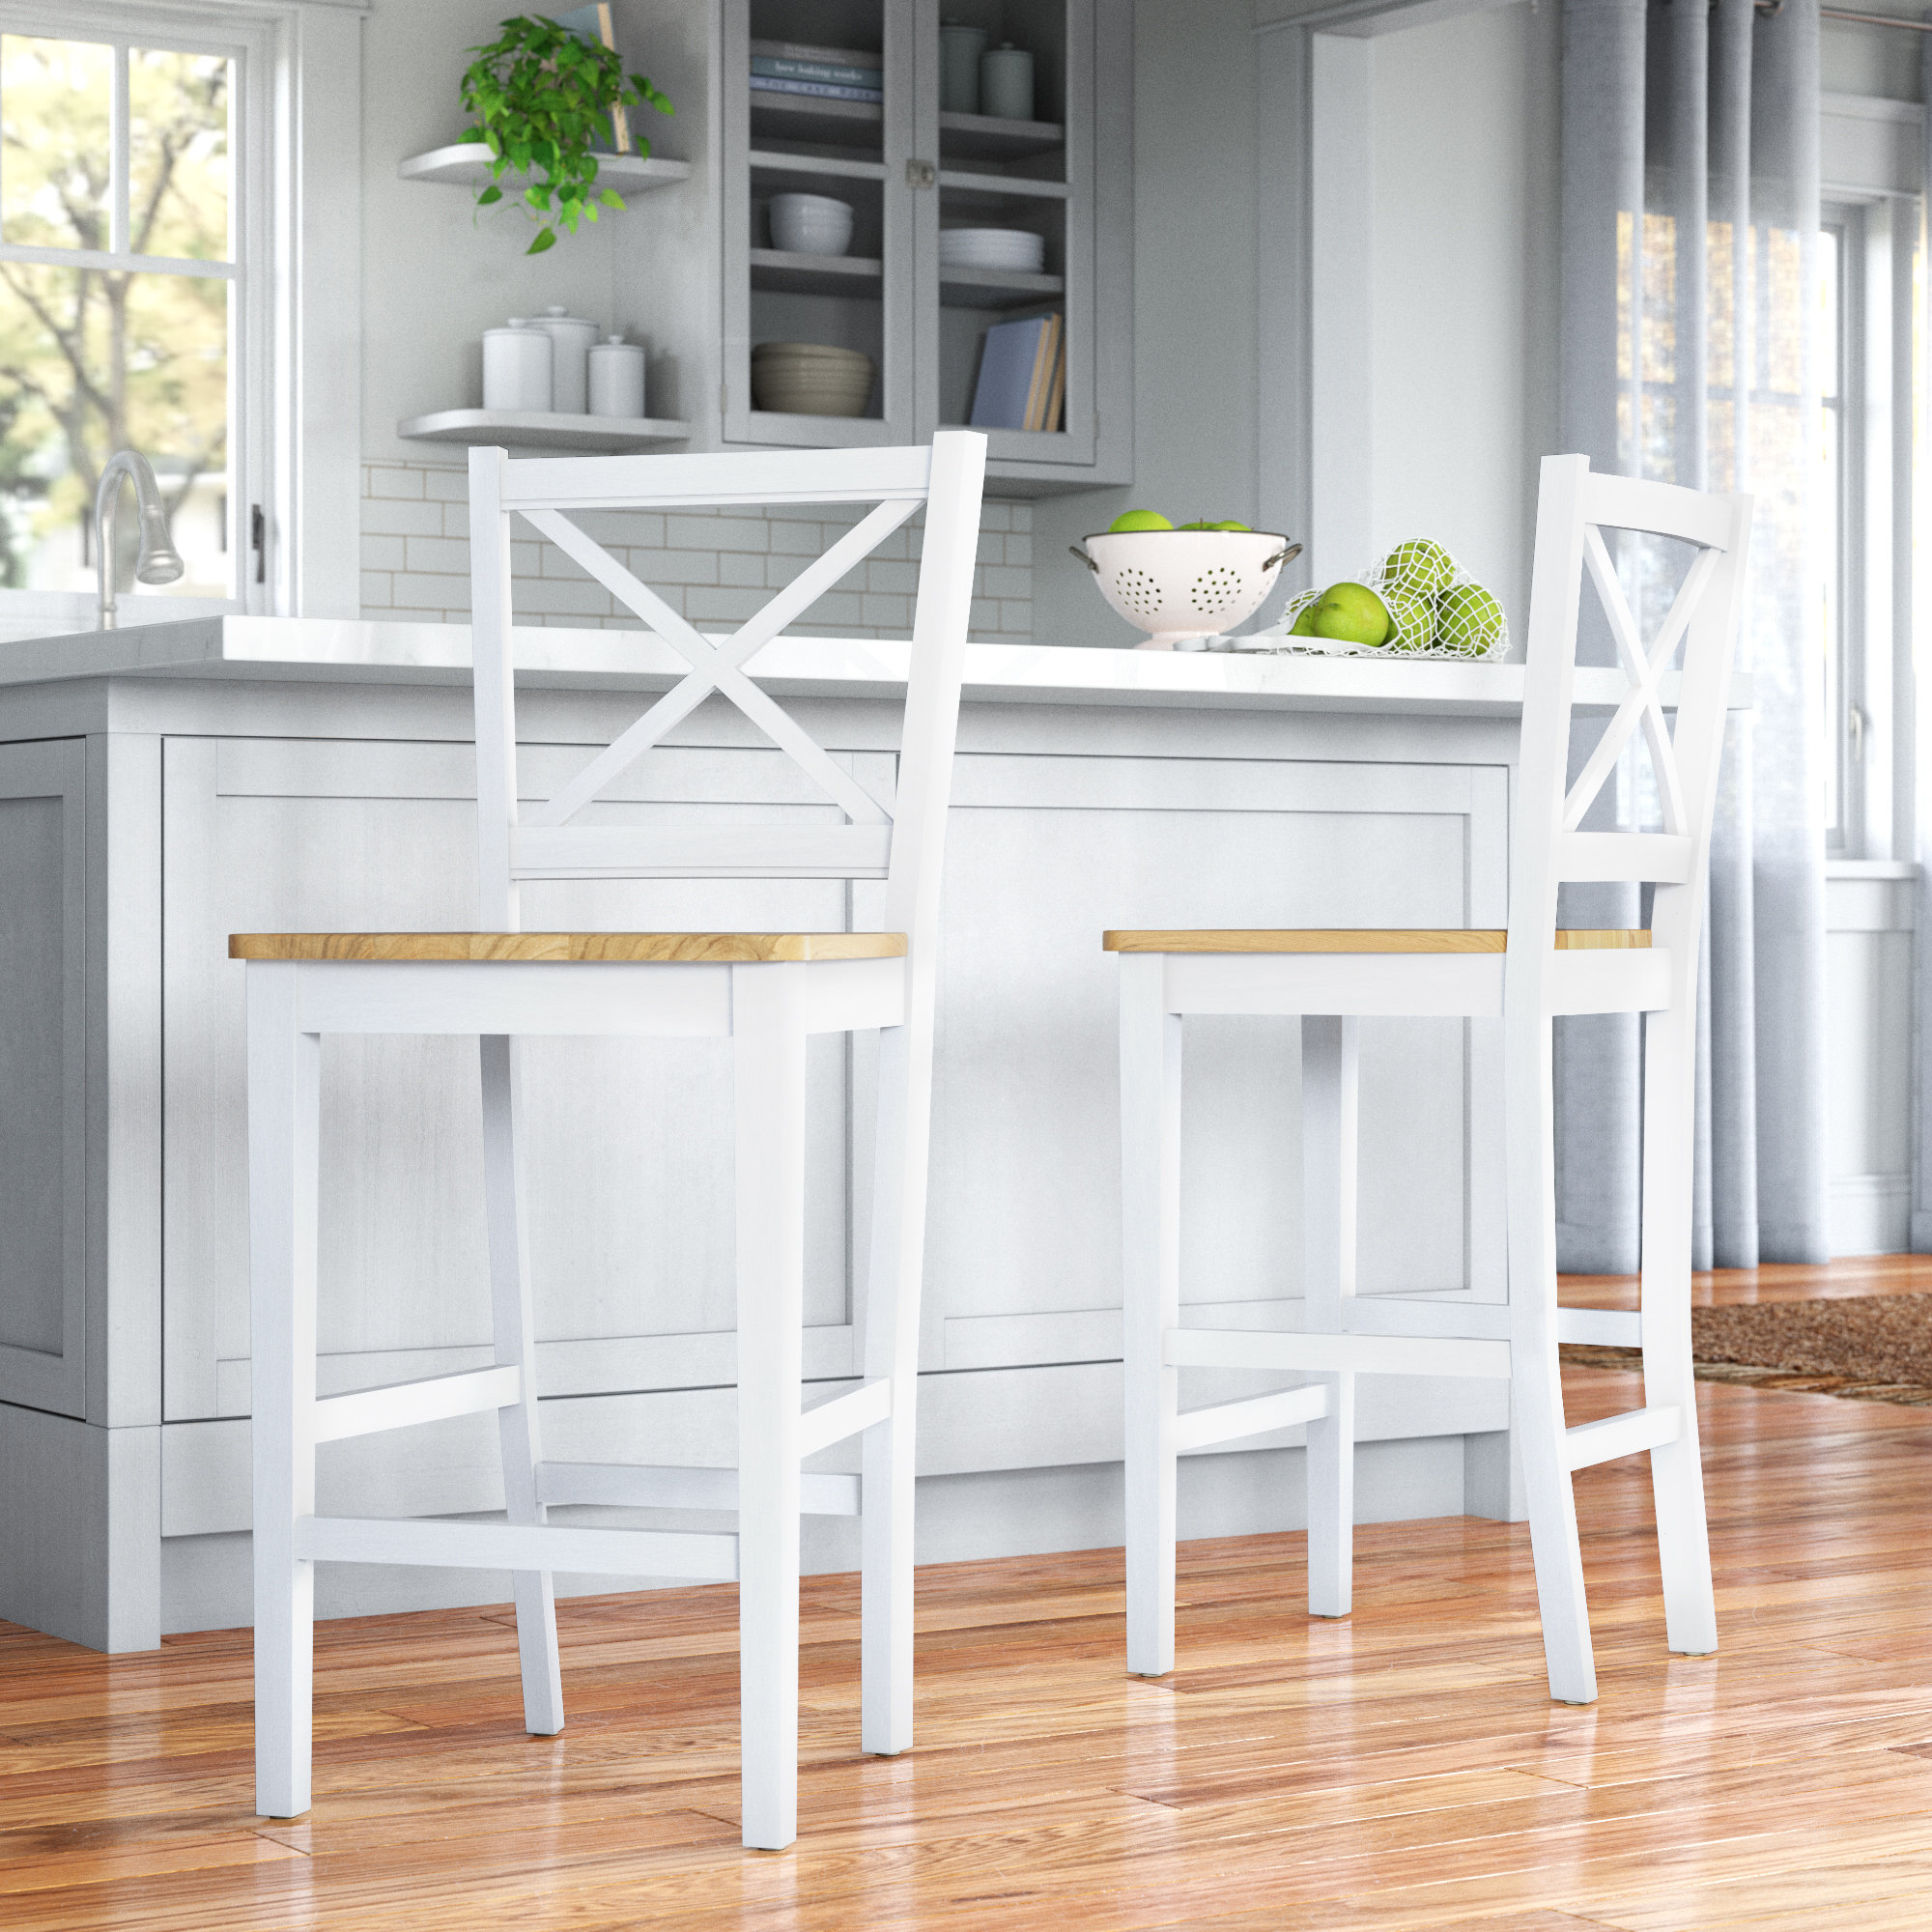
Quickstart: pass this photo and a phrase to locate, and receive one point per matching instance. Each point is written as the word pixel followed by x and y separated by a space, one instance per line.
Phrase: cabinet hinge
pixel 921 174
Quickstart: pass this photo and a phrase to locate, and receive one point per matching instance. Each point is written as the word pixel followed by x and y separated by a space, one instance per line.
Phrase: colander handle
pixel 1287 556
pixel 1074 550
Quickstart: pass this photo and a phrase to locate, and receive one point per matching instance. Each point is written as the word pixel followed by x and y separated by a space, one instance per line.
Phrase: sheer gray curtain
pixel 1689 226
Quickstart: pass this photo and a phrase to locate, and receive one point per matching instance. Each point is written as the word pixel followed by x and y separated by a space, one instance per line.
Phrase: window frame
pixel 295 383
pixel 1869 736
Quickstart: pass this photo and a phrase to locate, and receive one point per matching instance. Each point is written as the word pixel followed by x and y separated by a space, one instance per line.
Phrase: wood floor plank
pixel 1399 1770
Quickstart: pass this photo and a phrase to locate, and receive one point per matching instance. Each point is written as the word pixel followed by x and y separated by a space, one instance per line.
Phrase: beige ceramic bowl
pixel 811 379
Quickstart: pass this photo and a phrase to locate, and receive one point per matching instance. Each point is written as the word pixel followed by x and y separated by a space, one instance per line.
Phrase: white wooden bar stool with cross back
pixel 765 991
pixel 1527 975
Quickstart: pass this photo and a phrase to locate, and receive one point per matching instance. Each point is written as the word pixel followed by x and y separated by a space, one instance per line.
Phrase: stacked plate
pixel 810 378
pixel 1019 251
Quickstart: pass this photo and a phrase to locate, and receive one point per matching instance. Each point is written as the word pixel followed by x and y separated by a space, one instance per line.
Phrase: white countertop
pixel 345 650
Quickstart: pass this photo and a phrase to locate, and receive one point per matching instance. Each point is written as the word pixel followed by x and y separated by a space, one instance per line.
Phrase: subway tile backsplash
pixel 715 568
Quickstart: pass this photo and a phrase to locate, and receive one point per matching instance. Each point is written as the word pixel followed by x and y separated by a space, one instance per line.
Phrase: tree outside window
pixel 117 283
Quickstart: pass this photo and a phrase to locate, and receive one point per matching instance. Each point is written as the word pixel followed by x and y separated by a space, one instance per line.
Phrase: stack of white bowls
pixel 811 224
pixel 810 378
pixel 1017 250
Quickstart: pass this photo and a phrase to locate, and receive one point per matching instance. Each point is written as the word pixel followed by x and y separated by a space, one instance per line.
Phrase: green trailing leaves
pixel 542 97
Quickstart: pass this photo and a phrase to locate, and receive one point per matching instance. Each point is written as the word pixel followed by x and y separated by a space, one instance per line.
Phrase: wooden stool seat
pixel 1360 939
pixel 728 949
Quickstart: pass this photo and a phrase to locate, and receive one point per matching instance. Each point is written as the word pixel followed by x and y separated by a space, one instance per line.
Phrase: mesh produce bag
pixel 1437 611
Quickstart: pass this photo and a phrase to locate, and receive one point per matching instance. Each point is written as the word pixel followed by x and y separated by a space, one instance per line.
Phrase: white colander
pixel 1185 583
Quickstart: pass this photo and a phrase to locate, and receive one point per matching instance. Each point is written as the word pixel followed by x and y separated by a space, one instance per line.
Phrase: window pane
pixel 177 154
pixel 68 400
pixel 56 99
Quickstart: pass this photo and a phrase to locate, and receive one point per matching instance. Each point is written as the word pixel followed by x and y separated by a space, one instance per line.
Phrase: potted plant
pixel 542 95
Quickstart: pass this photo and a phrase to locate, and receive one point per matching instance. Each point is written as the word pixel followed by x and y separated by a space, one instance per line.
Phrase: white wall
pixel 1194 303
pixel 436 273
pixel 1464 285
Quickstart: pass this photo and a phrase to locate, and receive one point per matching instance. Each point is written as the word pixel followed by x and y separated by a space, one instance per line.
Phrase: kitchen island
pixel 163 785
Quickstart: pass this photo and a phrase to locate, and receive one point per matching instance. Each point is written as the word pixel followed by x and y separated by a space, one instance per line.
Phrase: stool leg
pixel 1330 1082
pixel 1676 1469
pixel 284 1071
pixel 769 1082
pixel 1151 1267
pixel 892 1353
pixel 1536 1384
pixel 514 1324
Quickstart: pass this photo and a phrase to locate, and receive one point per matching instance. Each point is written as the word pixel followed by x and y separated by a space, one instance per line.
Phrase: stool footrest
pixel 366 1411
pixel 710 1556
pixel 1331 1354
pixel 844 1415
pixel 635 1486
pixel 1600 1327
pixel 1230 1421
pixel 1592 1442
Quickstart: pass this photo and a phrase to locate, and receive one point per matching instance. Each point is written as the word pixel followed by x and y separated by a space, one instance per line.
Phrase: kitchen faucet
pixel 159 562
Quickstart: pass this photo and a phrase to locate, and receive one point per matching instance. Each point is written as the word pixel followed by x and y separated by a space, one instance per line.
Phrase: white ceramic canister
pixel 516 367
pixel 1006 83
pixel 570 340
pixel 617 379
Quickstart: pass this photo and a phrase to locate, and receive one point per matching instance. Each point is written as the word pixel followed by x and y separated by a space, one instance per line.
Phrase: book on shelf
pixel 592 24
pixel 1018 386
pixel 819 90
pixel 838 72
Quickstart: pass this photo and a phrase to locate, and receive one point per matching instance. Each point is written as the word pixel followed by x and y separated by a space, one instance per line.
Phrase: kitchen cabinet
pixel 163 787
pixel 697 274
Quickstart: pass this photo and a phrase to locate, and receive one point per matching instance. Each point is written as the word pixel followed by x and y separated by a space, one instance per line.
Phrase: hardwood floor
pixel 1402 1769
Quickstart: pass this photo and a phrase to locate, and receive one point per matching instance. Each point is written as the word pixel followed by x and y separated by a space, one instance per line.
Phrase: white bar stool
pixel 1527 977
pixel 766 991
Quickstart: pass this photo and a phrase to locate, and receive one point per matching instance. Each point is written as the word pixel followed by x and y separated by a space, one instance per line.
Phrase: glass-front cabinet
pixel 924 221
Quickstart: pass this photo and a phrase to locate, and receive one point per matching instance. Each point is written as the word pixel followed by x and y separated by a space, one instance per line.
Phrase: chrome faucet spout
pixel 159 562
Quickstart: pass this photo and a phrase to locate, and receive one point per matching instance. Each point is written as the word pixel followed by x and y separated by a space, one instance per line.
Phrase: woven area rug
pixel 1871 1348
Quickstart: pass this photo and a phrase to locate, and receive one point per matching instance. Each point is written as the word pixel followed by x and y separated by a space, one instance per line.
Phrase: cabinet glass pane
pixel 819 254
pixel 1003 86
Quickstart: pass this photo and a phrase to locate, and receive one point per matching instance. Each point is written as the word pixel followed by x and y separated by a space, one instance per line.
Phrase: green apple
pixel 1304 624
pixel 1231 525
pixel 1204 524
pixel 1351 613
pixel 1412 622
pixel 1419 567
pixel 1469 618
pixel 1138 520
pixel 1197 524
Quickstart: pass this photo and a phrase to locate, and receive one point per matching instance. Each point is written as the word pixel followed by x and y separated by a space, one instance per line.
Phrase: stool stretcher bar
pixel 1230 1421
pixel 702 1555
pixel 1592 1442
pixel 631 1486
pixel 844 1415
pixel 1334 1354
pixel 1600 1327
pixel 366 1411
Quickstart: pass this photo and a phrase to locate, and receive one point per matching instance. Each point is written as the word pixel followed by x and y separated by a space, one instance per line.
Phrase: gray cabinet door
pixel 629 1141
pixel 43 1075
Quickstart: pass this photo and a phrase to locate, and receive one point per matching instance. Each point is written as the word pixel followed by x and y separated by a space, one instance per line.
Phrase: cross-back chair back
pixel 897 841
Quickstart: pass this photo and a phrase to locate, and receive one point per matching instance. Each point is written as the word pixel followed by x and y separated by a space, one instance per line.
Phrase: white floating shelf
pixel 467 164
pixel 543 428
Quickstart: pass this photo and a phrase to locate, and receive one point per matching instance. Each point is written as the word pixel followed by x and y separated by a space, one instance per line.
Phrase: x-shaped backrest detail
pixel 717 667
pixel 1645 671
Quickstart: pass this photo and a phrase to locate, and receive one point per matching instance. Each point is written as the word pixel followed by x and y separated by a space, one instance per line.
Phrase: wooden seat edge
pixel 1360 939
pixel 568 947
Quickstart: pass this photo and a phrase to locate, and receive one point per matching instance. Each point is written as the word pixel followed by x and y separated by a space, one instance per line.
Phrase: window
pixel 172 173
pixel 1866 265
pixel 121 298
